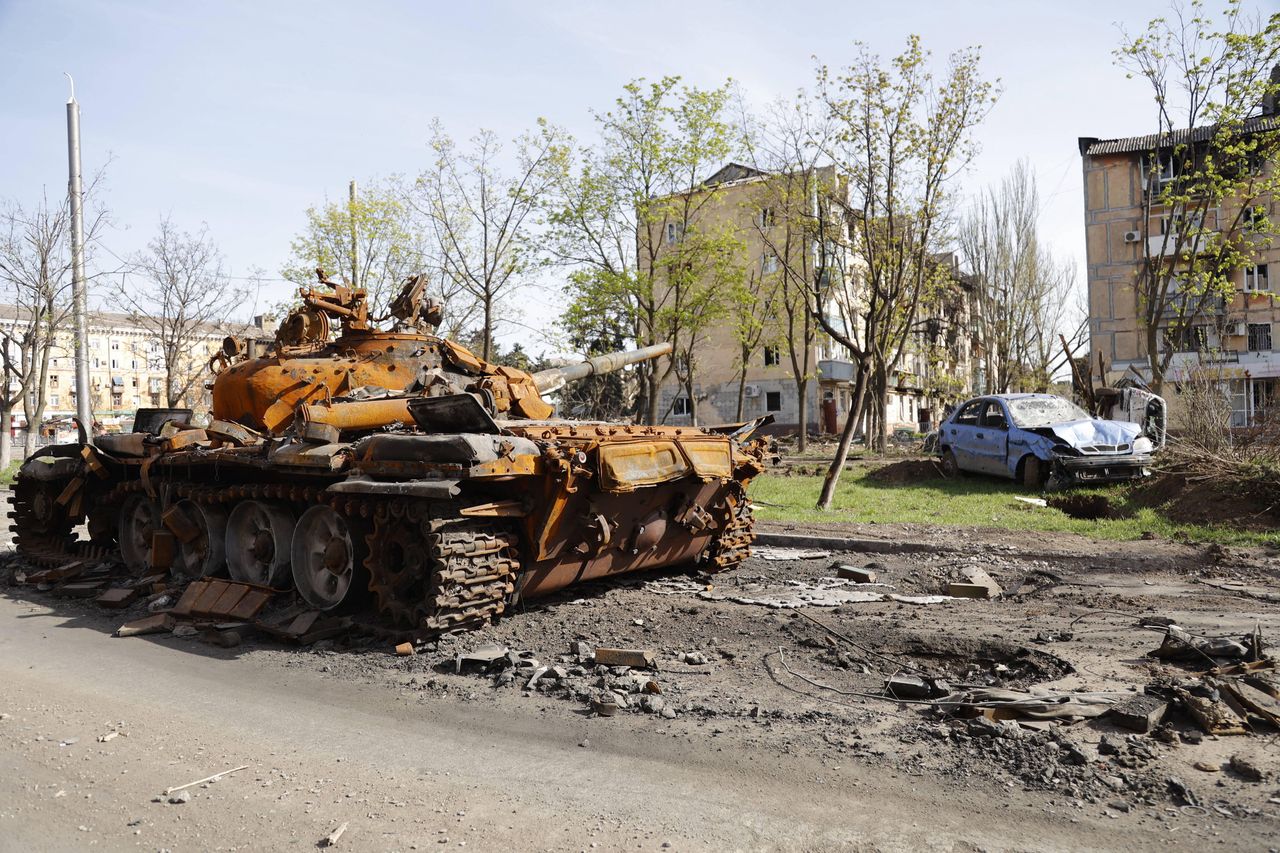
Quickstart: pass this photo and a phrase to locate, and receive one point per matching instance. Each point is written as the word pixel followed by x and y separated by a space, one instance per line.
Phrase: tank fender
pixel 50 468
pixel 460 448
pixel 432 489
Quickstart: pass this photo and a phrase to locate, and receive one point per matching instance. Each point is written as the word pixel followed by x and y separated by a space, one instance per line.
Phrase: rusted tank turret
pixel 394 469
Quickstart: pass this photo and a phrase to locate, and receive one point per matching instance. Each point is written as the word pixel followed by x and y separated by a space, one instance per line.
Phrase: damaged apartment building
pixel 1233 339
pixel 778 221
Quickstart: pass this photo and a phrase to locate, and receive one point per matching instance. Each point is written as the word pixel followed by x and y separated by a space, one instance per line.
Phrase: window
pixel 134 365
pixel 1255 278
pixel 115 345
pixel 968 414
pixel 1159 170
pixel 769 263
pixel 53 381
pixel 993 416
pixel 1188 338
pixel 766 217
pixel 674 233
pixel 53 400
pixel 1254 218
pixel 772 356
pixel 1260 337
pixel 682 406
pixel 773 401
pixel 114 364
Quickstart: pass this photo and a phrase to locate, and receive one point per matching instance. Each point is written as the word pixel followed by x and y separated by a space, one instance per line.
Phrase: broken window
pixel 968 413
pixel 1254 218
pixel 773 401
pixel 1187 338
pixel 769 263
pixel 682 406
pixel 1260 337
pixel 772 356
pixel 674 233
pixel 766 217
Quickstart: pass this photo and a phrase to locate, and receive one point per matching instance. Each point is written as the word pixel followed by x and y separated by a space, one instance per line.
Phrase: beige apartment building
pixel 126 371
pixel 747 201
pixel 1237 339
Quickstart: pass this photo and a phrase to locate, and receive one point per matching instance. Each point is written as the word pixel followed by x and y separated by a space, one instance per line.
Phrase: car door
pixel 991 439
pixel 960 434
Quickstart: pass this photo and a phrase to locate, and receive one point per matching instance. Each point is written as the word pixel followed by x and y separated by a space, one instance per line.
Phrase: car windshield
pixel 1044 411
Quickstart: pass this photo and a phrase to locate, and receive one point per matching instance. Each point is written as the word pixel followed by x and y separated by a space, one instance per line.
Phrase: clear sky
pixel 241 114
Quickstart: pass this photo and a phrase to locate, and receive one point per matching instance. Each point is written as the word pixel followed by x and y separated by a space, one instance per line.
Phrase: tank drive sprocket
pixel 433 570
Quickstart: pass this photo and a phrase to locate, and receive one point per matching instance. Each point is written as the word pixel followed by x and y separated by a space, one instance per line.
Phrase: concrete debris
pixel 185 631
pixel 154 624
pixel 854 573
pixel 693 658
pixel 1182 645
pixel 638 658
pixel 775 554
pixel 180 798
pixel 109 736
pixel 916 687
pixel 1140 713
pixel 1247 767
pixel 1032 501
pixel 605 706
pixel 485 656
pixel 332 838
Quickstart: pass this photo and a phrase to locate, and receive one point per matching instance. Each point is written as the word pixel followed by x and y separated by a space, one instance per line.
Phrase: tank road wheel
pixel 139 520
pixel 258 539
pixel 203 553
pixel 328 569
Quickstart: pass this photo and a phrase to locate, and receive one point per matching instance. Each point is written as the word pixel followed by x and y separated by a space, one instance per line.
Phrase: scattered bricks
pixel 638 658
pixel 179 524
pixel 1139 714
pixel 978 577
pixel 856 574
pixel 117 598
pixel 405 649
pixel 968 590
pixel 162 549
pixel 154 624
pixel 581 651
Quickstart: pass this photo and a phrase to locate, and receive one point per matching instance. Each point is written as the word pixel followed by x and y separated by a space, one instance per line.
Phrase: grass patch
pixel 975 502
pixel 7 475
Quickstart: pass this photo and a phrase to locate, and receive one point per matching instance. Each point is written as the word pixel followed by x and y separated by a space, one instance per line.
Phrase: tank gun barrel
pixel 555 378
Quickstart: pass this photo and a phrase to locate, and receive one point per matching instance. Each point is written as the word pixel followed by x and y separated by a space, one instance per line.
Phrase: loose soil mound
pixel 906 472
pixel 1202 502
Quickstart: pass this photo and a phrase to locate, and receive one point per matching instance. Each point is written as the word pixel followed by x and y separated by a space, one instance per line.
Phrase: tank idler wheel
pixel 139 521
pixel 202 547
pixel 328 566
pixel 258 539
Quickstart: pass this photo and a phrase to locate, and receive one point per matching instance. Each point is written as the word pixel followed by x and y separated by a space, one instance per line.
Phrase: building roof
pixel 114 320
pixel 1091 146
pixel 731 172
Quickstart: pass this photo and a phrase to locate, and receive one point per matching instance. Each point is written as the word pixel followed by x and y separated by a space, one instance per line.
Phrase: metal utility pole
pixel 351 214
pixel 75 191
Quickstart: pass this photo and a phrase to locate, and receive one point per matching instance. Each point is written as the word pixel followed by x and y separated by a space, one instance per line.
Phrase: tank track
pixel 435 571
pixel 733 546
pixel 431 571
pixel 42 531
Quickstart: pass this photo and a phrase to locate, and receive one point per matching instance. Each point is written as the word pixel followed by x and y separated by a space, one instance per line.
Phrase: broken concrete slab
pixel 1140 713
pixel 154 624
pixel 485 656
pixel 968 590
pixel 118 598
pixel 855 574
pixel 638 658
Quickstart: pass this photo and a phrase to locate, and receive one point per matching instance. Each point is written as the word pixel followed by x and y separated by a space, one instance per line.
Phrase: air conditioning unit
pixel 1132 236
pixel 1238 329
pixel 752 390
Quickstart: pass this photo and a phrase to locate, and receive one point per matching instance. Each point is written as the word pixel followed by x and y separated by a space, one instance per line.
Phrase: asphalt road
pixel 322 751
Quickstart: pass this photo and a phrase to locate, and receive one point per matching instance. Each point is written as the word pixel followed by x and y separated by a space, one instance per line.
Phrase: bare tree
pixel 35 271
pixel 1205 179
pixel 483 216
pixel 1021 292
pixel 178 291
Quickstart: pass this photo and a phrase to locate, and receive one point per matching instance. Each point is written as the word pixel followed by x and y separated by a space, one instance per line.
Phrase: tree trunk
pixel 742 385
pixel 693 400
pixel 832 479
pixel 878 427
pixel 6 434
pixel 802 409
pixel 488 330
pixel 651 416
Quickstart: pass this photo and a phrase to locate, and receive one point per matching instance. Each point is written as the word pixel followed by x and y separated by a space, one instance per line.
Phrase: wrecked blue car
pixel 1041 439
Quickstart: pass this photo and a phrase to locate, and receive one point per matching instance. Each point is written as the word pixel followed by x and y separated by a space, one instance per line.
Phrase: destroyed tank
pixel 392 471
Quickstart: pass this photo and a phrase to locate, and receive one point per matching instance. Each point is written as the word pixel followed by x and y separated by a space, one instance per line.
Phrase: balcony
pixel 834 370
pixel 1191 246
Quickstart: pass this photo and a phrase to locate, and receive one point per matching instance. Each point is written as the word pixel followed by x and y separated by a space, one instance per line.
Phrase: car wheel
pixel 1033 473
pixel 950 467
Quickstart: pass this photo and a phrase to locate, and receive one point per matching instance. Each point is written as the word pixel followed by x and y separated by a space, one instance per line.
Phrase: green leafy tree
pixel 628 211
pixel 375 243
pixel 482 214
pixel 1210 178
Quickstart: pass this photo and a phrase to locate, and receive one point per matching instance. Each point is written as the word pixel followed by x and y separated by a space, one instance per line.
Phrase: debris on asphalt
pixel 214 778
pixel 1179 644
pixel 332 838
pixel 638 658
pixel 774 554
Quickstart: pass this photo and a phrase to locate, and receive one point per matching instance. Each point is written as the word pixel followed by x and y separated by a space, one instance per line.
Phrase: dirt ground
pixel 769 730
